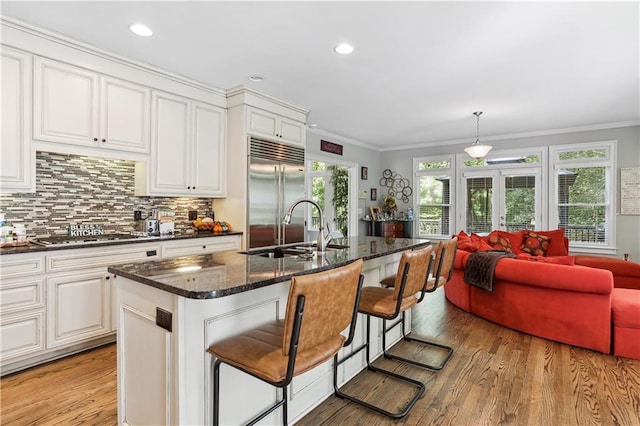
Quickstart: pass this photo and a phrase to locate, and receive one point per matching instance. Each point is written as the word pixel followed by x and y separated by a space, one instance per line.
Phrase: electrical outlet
pixel 137 215
pixel 164 319
pixel 193 214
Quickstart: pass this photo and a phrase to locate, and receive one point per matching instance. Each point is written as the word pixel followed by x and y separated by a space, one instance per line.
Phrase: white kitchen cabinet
pixel 78 308
pixel 17 161
pixel 21 335
pixel 188 149
pixel 195 246
pixel 267 124
pixel 76 106
pixel 22 307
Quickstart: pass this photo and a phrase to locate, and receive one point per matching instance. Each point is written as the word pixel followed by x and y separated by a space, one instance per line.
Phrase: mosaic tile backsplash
pixel 78 189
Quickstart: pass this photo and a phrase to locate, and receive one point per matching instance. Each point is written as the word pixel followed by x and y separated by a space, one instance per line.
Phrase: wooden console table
pixel 390 228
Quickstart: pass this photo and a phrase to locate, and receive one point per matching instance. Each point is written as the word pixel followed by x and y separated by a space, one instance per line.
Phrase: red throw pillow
pixel 556 245
pixel 534 243
pixel 498 241
pixel 465 243
pixel 484 246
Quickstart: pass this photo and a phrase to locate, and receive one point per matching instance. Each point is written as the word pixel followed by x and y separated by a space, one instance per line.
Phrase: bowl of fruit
pixel 209 225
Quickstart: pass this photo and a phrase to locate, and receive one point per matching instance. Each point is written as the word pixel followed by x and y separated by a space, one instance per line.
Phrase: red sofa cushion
pixel 625 274
pixel 507 241
pixel 558 260
pixel 625 308
pixel 558 245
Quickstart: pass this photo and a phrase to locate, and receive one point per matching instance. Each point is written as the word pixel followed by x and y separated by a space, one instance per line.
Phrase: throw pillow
pixel 534 243
pixel 557 245
pixel 484 246
pixel 465 242
pixel 499 242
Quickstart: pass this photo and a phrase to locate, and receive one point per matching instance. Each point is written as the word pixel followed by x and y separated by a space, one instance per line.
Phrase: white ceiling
pixel 419 70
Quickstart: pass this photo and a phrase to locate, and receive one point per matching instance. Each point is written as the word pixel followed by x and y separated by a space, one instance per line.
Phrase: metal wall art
pixel 398 186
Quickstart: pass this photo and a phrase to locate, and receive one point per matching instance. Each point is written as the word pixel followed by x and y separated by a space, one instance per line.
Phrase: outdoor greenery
pixel 340 181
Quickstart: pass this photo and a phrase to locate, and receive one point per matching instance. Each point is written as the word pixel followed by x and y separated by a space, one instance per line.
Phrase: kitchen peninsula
pixel 171 311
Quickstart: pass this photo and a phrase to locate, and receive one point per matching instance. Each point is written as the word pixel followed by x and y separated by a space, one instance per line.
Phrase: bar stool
pixel 388 303
pixel 319 307
pixel 445 255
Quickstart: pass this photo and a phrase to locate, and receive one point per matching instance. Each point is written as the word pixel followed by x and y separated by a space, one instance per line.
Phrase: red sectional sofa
pixel 570 302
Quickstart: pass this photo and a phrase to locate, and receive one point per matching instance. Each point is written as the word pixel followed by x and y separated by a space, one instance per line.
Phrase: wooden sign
pixel 331 147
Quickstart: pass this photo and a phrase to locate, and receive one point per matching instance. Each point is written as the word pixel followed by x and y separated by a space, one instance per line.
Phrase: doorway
pixel 332 185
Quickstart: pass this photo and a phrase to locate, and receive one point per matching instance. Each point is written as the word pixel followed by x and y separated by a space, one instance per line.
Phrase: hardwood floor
pixel 496 376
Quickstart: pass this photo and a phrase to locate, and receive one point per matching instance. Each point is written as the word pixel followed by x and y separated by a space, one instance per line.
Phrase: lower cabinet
pixel 78 308
pixel 59 302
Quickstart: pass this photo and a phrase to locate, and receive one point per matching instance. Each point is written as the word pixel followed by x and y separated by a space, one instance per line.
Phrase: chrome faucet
pixel 322 243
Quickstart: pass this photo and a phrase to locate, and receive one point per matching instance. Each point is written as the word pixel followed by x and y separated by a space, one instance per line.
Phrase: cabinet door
pixel 170 172
pixel 65 103
pixel 78 308
pixel 292 131
pixel 125 116
pixel 208 155
pixel 17 171
pixel 21 334
pixel 261 123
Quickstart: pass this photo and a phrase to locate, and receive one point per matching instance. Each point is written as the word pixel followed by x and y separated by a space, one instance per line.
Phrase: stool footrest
pixel 436 367
pixel 402 413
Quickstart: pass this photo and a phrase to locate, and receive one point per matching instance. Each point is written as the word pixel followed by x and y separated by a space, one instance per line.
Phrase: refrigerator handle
pixel 281 212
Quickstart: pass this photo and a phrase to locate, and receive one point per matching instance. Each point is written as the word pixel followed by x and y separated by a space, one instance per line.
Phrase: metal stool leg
pixel 402 413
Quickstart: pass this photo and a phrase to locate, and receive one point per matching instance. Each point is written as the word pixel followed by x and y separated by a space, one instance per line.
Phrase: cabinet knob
pixel 108 277
pixel 204 247
pixel 104 140
pixel 95 139
pixel 194 187
pixel 188 187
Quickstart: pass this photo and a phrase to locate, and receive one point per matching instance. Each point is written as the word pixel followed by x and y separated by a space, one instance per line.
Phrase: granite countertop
pixel 226 273
pixel 32 248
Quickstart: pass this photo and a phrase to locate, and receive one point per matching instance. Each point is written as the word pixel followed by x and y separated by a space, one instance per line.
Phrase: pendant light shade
pixel 477 149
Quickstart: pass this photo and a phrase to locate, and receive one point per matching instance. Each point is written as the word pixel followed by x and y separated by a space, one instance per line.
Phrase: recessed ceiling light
pixel 256 78
pixel 313 125
pixel 343 49
pixel 141 30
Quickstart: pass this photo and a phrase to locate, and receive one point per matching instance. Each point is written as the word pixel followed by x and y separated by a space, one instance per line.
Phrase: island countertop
pixel 222 274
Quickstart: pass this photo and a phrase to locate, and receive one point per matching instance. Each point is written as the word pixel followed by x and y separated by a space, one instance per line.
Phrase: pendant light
pixel 477 149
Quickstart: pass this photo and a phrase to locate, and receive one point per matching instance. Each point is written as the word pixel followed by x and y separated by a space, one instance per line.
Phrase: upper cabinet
pixel 188 149
pixel 263 123
pixel 17 171
pixel 76 106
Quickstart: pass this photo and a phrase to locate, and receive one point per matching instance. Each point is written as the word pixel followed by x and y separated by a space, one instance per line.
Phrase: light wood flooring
pixel 496 376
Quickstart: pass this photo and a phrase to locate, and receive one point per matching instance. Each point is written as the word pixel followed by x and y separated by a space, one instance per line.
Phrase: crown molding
pixel 339 138
pixel 591 127
pixel 93 50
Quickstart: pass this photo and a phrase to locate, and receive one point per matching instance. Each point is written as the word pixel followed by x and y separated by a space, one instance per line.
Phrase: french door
pixel 508 199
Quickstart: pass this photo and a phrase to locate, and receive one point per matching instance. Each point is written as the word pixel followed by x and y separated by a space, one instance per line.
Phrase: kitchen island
pixel 171 311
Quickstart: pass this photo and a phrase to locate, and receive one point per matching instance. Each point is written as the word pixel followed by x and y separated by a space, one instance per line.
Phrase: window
pixel 502 191
pixel 582 204
pixel 433 196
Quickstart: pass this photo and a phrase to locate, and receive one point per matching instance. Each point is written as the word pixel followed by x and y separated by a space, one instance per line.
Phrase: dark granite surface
pixel 223 274
pixel 31 248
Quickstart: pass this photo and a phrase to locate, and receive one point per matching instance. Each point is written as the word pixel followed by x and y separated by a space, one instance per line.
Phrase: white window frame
pixel 611 189
pixel 505 169
pixel 417 173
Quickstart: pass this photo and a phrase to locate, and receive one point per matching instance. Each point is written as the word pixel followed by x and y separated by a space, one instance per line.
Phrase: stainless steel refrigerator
pixel 276 178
